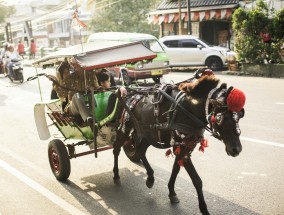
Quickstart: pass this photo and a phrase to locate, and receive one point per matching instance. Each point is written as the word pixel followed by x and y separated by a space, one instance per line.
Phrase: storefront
pixel 210 20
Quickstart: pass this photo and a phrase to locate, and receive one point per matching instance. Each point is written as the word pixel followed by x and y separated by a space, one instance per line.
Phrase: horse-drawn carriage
pixel 90 56
pixel 164 116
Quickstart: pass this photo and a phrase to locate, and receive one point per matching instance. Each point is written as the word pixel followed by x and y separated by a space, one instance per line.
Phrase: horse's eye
pixel 219 118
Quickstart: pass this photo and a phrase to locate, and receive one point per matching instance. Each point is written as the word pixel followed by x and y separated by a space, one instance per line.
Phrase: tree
pixel 122 15
pixel 251 27
pixel 5 11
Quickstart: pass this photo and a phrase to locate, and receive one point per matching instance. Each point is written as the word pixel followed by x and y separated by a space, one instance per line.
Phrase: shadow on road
pixel 101 196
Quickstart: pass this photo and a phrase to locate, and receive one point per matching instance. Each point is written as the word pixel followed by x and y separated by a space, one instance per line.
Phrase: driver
pixel 72 87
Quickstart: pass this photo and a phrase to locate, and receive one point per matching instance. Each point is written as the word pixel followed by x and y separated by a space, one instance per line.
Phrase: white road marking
pixel 42 190
pixel 262 142
pixel 259 141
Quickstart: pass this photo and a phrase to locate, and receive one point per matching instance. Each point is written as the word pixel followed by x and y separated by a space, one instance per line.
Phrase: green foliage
pixel 124 16
pixel 5 11
pixel 249 25
pixel 278 24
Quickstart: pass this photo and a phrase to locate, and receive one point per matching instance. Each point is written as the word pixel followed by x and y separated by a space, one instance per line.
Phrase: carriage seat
pixel 105 109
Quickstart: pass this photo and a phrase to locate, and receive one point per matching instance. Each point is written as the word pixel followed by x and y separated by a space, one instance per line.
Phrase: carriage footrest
pixel 75 155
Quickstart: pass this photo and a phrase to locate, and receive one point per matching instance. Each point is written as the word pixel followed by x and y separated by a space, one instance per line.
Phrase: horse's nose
pixel 236 150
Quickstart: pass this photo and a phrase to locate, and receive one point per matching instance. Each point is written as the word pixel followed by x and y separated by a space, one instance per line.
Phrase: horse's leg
pixel 150 172
pixel 116 151
pixel 171 185
pixel 197 182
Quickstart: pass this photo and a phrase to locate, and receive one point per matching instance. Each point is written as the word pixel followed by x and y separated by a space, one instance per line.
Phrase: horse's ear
pixel 223 86
pixel 228 92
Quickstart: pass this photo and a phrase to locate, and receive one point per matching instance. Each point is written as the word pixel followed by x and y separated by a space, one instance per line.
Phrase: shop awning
pixel 218 14
pixel 200 11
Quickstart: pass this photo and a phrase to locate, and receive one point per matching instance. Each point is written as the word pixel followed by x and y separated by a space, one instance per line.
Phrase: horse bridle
pixel 216 117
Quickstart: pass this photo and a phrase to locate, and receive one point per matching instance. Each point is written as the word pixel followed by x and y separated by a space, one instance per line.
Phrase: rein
pixel 187 113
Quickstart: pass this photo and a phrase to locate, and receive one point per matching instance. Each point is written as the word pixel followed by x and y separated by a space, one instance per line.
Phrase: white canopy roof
pixel 100 54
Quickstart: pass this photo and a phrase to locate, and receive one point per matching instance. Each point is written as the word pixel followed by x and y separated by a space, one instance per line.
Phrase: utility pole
pixel 8 31
pixel 179 17
pixel 28 30
pixel 189 18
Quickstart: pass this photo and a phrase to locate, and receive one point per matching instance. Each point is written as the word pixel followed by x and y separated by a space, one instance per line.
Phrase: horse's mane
pixel 199 87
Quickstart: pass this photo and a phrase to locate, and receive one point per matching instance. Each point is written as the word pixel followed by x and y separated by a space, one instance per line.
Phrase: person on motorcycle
pixel 3 53
pixel 9 56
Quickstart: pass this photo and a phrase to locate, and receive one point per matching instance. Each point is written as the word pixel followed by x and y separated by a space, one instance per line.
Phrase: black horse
pixel 177 116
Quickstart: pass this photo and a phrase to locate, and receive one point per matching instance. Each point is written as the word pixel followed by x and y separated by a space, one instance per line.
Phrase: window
pixel 172 43
pixel 189 43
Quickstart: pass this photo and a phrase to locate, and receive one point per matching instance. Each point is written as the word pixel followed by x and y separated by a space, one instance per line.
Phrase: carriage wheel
pixel 59 160
pixel 130 148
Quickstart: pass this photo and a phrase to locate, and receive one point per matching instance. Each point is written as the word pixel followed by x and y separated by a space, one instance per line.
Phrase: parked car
pixel 188 50
pixel 154 69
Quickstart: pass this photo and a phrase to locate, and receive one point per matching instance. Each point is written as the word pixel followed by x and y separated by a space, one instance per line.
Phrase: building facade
pixel 210 20
pixel 49 23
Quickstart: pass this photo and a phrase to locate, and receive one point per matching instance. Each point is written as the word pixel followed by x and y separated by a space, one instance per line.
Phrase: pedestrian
pixel 32 49
pixel 21 49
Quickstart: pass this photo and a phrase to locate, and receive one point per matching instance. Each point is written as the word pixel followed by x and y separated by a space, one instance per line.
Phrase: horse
pixel 176 115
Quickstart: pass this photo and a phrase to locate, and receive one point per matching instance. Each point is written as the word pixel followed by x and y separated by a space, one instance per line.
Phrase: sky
pixel 13 2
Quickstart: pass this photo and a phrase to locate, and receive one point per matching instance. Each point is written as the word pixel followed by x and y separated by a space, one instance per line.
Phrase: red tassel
pixel 168 153
pixel 177 151
pixel 203 144
pixel 212 120
pixel 180 162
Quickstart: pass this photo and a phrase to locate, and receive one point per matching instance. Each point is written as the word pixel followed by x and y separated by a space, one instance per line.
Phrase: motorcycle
pixel 18 70
pixel 1 67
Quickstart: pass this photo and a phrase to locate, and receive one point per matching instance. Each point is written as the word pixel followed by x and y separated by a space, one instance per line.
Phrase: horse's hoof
pixel 116 181
pixel 149 183
pixel 174 199
pixel 205 212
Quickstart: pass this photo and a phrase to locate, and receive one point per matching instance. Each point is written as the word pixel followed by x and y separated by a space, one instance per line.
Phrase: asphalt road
pixel 251 183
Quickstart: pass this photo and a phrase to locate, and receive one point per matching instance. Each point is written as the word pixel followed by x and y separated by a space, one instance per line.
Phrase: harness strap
pixel 178 98
pixel 189 115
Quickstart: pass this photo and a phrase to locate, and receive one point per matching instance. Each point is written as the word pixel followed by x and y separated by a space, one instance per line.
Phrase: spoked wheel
pixel 130 148
pixel 59 160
